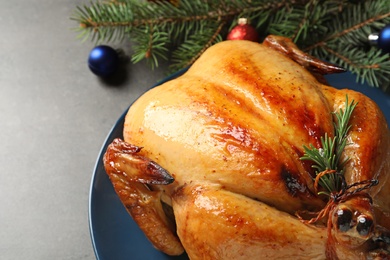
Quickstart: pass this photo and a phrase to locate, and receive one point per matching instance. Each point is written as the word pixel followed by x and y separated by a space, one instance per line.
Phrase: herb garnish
pixel 328 160
pixel 329 164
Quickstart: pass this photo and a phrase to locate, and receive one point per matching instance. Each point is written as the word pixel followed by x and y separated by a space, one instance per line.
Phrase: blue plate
pixel 115 235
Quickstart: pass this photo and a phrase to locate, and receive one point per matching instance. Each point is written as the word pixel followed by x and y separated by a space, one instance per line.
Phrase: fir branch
pixel 347 46
pixel 313 19
pixel 133 13
pixel 328 158
pixel 187 53
pixel 369 65
pixel 149 44
pixel 333 30
pixel 114 20
pixel 350 14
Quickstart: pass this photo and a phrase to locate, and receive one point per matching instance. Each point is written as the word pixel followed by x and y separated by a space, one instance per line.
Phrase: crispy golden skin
pixel 231 132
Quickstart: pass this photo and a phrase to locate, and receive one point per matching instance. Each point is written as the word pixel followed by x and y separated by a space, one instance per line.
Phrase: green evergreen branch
pixel 329 156
pixel 188 49
pixel 381 12
pixel 347 46
pixel 150 44
pixel 334 30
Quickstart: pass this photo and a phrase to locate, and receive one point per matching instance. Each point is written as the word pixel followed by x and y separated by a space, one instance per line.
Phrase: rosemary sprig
pixel 328 157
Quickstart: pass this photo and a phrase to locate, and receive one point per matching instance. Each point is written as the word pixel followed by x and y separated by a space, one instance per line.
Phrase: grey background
pixel 54 117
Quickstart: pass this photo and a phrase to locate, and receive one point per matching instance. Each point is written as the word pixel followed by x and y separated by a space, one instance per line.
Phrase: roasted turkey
pixel 211 161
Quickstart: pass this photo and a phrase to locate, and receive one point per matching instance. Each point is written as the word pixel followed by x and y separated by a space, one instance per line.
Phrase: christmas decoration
pixel 103 60
pixel 243 31
pixel 331 30
pixel 384 39
pixel 381 39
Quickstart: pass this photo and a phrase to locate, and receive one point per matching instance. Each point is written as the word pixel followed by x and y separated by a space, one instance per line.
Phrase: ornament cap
pixel 373 38
pixel 242 21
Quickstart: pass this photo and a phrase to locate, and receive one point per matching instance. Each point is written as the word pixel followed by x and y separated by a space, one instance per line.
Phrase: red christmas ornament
pixel 243 31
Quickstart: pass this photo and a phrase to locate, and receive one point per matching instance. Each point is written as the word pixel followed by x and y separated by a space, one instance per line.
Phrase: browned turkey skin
pixel 221 151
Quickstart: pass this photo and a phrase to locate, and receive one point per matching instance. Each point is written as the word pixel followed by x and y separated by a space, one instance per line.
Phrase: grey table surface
pixel 54 116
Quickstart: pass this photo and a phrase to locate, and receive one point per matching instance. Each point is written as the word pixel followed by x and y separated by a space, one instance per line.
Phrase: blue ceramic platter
pixel 114 234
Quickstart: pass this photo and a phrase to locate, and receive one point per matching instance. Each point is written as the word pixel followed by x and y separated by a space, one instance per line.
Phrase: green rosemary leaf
pixel 328 157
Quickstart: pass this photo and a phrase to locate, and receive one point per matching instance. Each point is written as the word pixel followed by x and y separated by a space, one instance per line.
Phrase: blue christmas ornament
pixel 384 39
pixel 381 39
pixel 103 60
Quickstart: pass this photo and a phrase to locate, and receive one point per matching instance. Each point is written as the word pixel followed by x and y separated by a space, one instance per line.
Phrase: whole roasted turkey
pixel 211 161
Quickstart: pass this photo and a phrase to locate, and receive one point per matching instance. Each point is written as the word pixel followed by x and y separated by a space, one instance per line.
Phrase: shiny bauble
pixel 384 39
pixel 243 31
pixel 103 60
